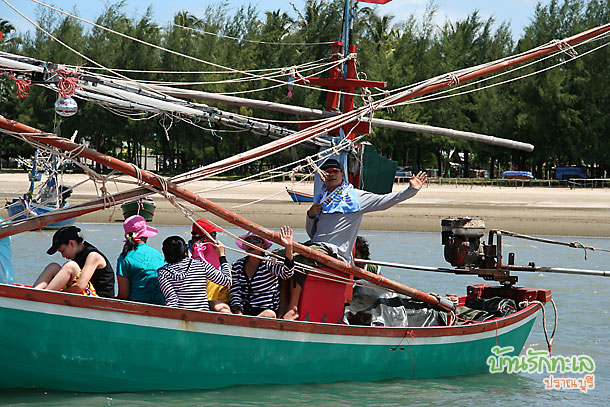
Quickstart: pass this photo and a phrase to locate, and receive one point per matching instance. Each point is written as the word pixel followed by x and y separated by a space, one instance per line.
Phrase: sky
pixel 517 12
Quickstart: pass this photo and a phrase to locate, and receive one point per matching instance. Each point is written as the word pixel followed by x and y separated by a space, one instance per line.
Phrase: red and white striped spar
pixel 231 217
pixel 560 45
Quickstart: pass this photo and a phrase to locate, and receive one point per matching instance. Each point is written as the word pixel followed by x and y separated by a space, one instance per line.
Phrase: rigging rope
pixel 576 244
pixel 232 184
pixel 436 97
pixel 280 73
pixel 549 340
pixel 217 34
pixel 64 44
pixel 276 69
pixel 144 43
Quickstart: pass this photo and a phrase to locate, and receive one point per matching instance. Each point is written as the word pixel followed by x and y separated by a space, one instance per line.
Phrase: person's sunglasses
pixel 255 240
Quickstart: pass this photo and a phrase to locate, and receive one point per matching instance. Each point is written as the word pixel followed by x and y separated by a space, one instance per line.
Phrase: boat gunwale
pixel 160 311
pixel 304 194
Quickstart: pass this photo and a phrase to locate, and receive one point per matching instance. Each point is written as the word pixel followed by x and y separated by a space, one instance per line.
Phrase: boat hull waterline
pixel 69 342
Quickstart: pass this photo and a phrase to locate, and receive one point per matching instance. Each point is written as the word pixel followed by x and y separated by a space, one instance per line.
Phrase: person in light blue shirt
pixel 138 264
pixel 6 265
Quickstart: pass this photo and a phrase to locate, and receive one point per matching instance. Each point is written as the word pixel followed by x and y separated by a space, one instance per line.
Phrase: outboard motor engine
pixel 462 240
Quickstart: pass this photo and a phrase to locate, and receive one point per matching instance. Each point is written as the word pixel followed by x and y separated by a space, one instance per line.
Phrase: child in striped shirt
pixel 183 280
pixel 256 289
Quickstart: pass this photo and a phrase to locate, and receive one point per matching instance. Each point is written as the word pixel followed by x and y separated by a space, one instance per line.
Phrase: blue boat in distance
pixel 299 196
pixel 522 175
pixel 51 196
pixel 20 206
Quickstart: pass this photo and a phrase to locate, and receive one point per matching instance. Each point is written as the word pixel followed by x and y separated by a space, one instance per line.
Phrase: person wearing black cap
pixel 86 264
pixel 333 220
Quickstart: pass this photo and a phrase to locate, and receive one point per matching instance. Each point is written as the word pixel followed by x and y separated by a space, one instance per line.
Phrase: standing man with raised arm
pixel 334 219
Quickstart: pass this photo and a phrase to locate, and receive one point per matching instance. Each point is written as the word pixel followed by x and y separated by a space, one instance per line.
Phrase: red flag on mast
pixel 375 1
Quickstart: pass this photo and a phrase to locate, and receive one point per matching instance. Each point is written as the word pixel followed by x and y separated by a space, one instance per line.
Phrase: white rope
pixel 278 72
pixel 436 96
pixel 66 45
pixel 69 156
pixel 158 47
pixel 241 181
pixel 273 75
pixel 158 72
pixel 217 34
pixel 334 122
pixel 549 341
pixel 563 46
pixel 315 169
pixel 575 244
pixel 285 83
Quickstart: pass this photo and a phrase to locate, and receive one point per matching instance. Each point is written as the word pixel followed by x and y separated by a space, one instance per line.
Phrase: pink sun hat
pixel 136 224
pixel 239 242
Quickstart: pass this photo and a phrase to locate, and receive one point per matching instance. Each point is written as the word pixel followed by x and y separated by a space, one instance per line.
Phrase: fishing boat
pixel 138 347
pixel 299 196
pixel 519 175
pixel 144 207
pixel 52 194
pixel 20 209
pixel 210 350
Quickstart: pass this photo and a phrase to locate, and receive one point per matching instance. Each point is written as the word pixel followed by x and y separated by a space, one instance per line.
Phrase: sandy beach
pixel 539 211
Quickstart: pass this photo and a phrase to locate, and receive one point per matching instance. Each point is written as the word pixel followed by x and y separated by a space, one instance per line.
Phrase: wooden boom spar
pixel 553 46
pixel 305 111
pixel 231 217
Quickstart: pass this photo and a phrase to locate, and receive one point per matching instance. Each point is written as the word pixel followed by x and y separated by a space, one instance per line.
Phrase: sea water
pixel 582 302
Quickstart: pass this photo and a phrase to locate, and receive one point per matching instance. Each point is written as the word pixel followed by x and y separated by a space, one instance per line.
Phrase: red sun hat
pixel 205 225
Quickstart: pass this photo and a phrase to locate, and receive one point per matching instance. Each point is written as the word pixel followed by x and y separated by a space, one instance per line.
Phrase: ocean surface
pixel 583 328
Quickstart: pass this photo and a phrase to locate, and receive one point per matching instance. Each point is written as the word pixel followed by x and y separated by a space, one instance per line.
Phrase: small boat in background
pixel 22 209
pixel 51 196
pixel 521 175
pixel 144 207
pixel 299 196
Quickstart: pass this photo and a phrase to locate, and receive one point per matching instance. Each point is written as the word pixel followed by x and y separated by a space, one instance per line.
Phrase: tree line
pixel 563 112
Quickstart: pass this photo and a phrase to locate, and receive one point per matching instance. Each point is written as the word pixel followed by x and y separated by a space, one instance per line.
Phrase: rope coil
pixel 23 85
pixel 68 84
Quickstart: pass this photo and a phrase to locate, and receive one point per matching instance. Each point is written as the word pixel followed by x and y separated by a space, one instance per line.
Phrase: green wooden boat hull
pixel 144 208
pixel 70 342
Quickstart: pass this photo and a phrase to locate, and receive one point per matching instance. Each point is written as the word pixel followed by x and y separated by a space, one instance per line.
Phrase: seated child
pixel 138 263
pixel 183 280
pixel 255 290
pixel 201 247
pixel 87 271
pixel 362 251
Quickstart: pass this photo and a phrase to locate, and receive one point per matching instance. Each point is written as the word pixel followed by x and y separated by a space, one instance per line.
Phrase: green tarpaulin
pixel 377 171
